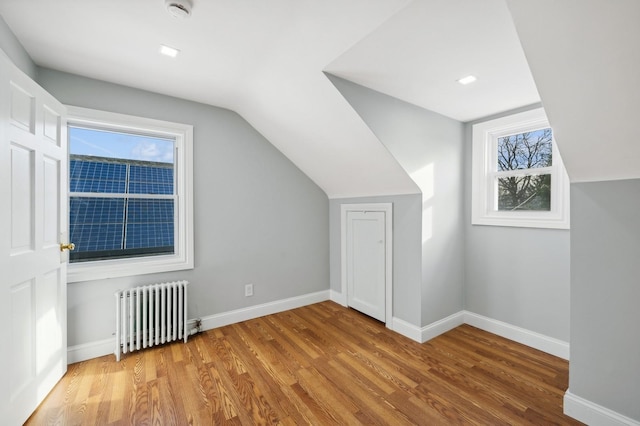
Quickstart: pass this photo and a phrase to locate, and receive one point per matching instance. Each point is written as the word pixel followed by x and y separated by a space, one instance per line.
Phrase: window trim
pixel 183 240
pixel 484 151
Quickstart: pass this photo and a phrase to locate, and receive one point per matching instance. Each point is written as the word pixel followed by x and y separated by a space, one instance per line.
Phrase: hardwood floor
pixel 320 364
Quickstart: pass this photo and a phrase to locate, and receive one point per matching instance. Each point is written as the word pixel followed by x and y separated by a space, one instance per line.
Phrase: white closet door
pixel 366 271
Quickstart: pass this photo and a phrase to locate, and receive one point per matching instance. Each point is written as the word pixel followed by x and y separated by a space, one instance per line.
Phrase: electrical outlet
pixel 248 290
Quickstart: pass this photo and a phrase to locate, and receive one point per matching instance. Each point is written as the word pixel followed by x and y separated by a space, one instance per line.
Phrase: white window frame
pixel 484 169
pixel 183 169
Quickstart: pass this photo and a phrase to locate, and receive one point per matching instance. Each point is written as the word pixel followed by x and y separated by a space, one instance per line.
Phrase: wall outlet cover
pixel 248 290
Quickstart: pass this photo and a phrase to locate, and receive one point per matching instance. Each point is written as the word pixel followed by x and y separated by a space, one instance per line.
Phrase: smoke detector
pixel 179 8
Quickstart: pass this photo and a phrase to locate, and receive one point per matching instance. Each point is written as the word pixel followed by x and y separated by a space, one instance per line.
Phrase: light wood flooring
pixel 320 364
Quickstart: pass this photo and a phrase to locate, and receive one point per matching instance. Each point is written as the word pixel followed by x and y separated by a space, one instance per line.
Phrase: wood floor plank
pixel 334 401
pixel 378 406
pixel 269 375
pixel 227 405
pixel 322 364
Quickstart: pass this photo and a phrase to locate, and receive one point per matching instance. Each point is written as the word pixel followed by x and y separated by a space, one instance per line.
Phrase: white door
pixel 33 172
pixel 366 260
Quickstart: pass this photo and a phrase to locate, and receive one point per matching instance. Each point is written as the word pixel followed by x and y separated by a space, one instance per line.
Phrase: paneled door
pixel 33 224
pixel 366 274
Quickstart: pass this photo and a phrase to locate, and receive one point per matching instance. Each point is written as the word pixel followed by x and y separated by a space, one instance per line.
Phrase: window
pixel 130 195
pixel 518 175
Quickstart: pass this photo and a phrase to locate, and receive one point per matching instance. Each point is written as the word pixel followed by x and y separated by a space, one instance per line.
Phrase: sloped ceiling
pixel 265 59
pixel 420 53
pixel 585 58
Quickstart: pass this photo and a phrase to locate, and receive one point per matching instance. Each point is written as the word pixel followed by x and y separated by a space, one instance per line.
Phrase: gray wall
pixel 258 219
pixel 429 147
pixel 605 293
pixel 15 51
pixel 407 211
pixel 502 283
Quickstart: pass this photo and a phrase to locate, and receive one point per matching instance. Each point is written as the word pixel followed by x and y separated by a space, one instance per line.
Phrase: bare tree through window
pixel 531 153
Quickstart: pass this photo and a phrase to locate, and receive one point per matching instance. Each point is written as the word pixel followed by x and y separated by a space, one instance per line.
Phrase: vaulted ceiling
pixel 265 60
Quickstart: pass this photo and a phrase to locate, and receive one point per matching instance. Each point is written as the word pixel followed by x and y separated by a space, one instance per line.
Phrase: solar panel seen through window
pixel 121 226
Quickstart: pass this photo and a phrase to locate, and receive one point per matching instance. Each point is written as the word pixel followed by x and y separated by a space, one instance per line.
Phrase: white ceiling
pixel 586 62
pixel 265 59
pixel 418 55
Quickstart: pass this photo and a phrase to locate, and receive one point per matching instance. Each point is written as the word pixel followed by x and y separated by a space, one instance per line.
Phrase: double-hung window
pixel 518 175
pixel 130 195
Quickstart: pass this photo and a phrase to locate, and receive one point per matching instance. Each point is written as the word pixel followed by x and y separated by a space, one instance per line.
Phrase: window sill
pixel 521 222
pixel 88 271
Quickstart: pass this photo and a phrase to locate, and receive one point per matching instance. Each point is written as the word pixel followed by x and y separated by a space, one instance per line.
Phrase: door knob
pixel 69 246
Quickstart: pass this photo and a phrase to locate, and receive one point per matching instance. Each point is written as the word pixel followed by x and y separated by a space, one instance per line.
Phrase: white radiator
pixel 150 315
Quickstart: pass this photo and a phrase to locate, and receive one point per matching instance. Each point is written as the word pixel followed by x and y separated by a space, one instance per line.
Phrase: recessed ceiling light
pixel 468 79
pixel 169 51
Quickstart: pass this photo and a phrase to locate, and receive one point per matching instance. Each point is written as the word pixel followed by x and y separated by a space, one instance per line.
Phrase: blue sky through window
pixel 101 143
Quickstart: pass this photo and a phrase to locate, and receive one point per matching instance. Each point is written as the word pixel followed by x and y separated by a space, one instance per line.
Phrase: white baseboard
pixel 100 348
pixel 407 329
pixel 532 339
pixel 535 340
pixel 244 314
pixel 90 350
pixel 419 334
pixel 594 414
pixel 427 332
pixel 439 327
pixel 339 298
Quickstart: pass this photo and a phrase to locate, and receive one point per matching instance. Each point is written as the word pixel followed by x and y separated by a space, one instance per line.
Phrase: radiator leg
pixel 117 348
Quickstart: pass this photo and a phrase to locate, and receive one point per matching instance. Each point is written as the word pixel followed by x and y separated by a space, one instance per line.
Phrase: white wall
pixel 258 218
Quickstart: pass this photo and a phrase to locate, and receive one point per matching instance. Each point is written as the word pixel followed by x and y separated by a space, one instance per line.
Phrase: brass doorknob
pixel 69 246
